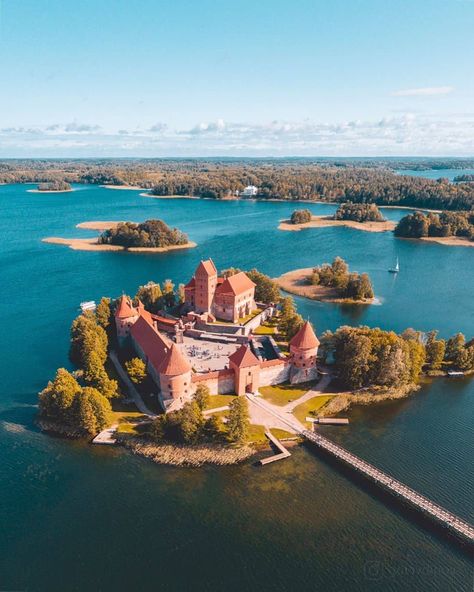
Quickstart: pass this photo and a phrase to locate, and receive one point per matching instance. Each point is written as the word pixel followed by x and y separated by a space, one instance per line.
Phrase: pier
pixel 281 455
pixel 452 522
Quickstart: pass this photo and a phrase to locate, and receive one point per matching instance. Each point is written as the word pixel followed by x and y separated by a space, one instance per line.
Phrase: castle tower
pixel 175 379
pixel 304 349
pixel 125 316
pixel 246 367
pixel 205 286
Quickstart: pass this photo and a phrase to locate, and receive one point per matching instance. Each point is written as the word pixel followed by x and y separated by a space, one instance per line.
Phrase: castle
pixel 181 353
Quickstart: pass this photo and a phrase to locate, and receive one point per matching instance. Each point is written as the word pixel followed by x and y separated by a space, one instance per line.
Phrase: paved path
pixel 316 392
pixel 215 410
pixel 134 394
pixel 106 436
pixel 276 416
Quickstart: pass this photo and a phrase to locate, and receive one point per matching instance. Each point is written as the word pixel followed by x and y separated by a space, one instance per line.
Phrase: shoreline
pixel 326 221
pixel 91 244
pixel 122 187
pixel 294 282
pixel 447 241
pixel 50 191
pixel 172 196
pixel 99 224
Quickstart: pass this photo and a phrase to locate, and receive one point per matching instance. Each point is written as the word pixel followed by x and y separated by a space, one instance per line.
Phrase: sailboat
pixel 395 269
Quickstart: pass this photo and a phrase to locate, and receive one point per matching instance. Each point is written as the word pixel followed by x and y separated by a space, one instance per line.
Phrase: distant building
pixel 249 191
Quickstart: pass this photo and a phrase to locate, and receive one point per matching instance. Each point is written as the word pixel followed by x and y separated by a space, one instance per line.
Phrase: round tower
pixel 304 350
pixel 125 317
pixel 175 379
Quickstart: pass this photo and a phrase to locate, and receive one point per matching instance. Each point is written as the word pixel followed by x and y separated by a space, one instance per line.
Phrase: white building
pixel 249 191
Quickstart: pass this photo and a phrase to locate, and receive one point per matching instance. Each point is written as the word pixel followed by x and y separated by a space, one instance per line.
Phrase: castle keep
pixel 180 353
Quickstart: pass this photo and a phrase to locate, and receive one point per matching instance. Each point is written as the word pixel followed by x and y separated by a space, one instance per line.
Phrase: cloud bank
pixel 406 134
pixel 427 91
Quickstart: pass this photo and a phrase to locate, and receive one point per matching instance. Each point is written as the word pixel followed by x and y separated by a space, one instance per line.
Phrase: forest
pixel 359 212
pixel 149 234
pixel 419 225
pixel 336 180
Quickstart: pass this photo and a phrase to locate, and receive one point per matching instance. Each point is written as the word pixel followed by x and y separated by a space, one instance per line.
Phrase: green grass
pixel 219 401
pixel 281 434
pixel 281 394
pixel 251 315
pixel 264 330
pixel 311 407
pixel 257 434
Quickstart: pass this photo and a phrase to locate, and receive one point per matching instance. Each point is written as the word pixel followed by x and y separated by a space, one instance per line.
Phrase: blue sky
pixel 209 77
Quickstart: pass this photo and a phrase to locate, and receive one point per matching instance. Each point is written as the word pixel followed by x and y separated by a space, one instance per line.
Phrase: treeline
pixel 340 180
pixel 359 212
pixel 57 185
pixel 348 285
pixel 365 357
pixel 149 234
pixel 418 225
pixel 80 404
pixel 464 179
pixel 188 425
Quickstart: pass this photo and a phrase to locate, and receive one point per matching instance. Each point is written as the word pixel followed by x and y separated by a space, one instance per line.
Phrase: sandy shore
pixel 91 244
pixel 295 282
pixel 50 191
pixel 323 221
pixel 133 187
pixel 170 196
pixel 99 224
pixel 450 241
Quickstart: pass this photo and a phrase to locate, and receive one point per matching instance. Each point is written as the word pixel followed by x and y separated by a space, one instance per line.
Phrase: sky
pixel 236 77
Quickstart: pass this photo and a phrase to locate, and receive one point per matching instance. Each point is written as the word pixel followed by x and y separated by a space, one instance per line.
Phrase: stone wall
pixel 221 382
pixel 274 372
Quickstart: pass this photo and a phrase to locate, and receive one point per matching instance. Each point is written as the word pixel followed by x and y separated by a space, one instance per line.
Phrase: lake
pixel 76 517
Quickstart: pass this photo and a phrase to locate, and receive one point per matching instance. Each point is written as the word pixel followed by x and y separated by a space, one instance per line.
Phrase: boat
pixel 88 305
pixel 455 373
pixel 395 269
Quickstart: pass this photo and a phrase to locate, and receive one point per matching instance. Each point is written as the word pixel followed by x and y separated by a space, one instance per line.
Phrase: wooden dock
pixel 329 420
pixel 281 455
pixel 456 525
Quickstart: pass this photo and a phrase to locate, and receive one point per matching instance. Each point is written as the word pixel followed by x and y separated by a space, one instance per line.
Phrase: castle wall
pixel 274 372
pixel 221 382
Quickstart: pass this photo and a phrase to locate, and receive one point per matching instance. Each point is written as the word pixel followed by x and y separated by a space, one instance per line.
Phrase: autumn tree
pixel 136 369
pixel 56 399
pixel 103 313
pixel 238 422
pixel 202 396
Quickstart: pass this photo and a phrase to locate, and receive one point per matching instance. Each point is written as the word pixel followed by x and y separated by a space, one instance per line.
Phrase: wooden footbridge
pixel 452 522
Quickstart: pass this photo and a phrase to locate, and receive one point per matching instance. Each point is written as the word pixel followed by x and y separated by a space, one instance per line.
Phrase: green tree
pixel 202 396
pixel 56 399
pixel 169 296
pixel 103 313
pixel 238 421
pixel 435 350
pixel 136 369
pixel 92 411
pixel 151 296
pixel 87 337
pixel 190 421
pixel 213 428
pixel 266 290
pixel 454 347
pixel 301 217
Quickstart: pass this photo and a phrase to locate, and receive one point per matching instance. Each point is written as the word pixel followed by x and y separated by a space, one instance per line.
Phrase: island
pixel 153 236
pixel 446 228
pixel 329 283
pixel 211 371
pixel 52 187
pixel 354 215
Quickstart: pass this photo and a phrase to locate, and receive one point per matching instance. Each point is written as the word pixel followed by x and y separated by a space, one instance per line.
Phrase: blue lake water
pixel 81 518
pixel 437 173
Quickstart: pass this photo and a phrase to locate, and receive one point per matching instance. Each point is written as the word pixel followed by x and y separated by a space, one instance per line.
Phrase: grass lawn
pixel 247 318
pixel 281 394
pixel 310 408
pixel 220 401
pixel 264 330
pixel 257 434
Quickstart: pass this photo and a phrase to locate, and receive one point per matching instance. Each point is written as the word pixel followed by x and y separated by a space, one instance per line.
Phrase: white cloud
pixel 400 134
pixel 427 91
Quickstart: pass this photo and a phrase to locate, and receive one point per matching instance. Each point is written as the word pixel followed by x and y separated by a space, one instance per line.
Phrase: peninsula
pixel 152 236
pixel 359 216
pixel 446 228
pixel 329 283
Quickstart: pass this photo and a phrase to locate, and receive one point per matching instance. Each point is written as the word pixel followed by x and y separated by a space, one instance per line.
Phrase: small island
pixel 329 283
pixel 360 216
pixel 153 236
pixel 161 375
pixel 446 228
pixel 52 187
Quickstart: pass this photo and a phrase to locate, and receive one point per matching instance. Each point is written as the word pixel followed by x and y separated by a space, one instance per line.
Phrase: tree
pixel 352 357
pixel 91 411
pixel 266 290
pixel 169 297
pixel 435 350
pixel 103 313
pixel 301 217
pixel 56 399
pixel 136 369
pixel 151 296
pixel 454 347
pixel 213 428
pixel 190 421
pixel 238 421
pixel 202 396
pixel 87 337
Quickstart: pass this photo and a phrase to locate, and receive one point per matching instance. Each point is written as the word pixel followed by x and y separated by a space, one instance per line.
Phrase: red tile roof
pixel 174 362
pixel 191 283
pixel 305 338
pixel 125 309
pixel 153 344
pixel 235 284
pixel 243 357
pixel 206 268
